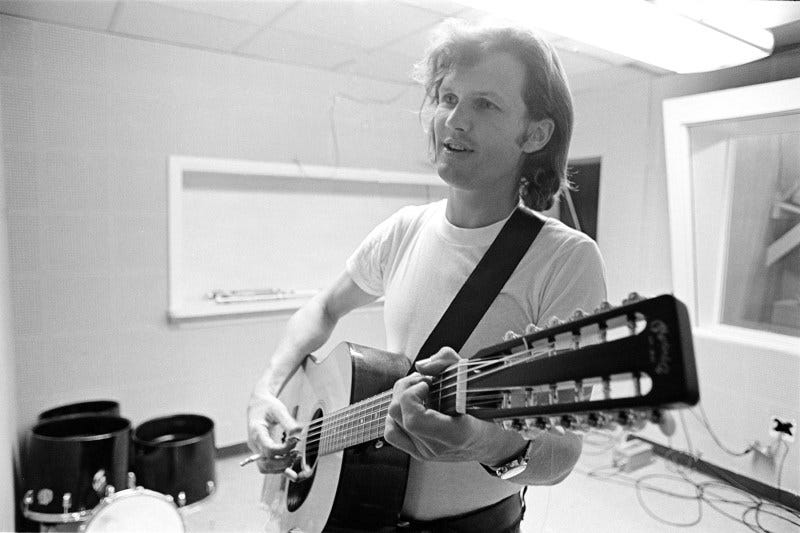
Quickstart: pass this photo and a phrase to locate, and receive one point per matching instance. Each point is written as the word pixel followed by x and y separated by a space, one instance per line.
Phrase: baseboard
pixel 753 486
pixel 232 450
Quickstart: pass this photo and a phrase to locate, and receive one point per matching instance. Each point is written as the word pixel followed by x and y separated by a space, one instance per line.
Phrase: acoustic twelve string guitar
pixel 638 359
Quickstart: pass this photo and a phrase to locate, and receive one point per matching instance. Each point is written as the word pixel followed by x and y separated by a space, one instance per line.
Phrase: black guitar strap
pixel 484 284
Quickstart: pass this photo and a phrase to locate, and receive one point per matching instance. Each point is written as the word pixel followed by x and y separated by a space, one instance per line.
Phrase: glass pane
pixel 761 187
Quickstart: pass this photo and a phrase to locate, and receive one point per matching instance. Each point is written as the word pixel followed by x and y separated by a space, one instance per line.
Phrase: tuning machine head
pixel 578 314
pixel 532 328
pixel 633 298
pixel 632 420
pixel 603 307
pixel 599 420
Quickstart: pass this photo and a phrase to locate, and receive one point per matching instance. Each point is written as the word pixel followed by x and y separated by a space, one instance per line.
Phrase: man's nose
pixel 459 118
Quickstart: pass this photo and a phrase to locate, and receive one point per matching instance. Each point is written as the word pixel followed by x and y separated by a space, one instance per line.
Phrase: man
pixel 499 133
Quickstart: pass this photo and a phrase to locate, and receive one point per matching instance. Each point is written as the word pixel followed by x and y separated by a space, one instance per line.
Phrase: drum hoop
pixel 57 518
pixel 108 501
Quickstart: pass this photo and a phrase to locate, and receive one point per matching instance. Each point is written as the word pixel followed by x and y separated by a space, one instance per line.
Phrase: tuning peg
pixel 578 314
pixel 600 420
pixel 510 336
pixel 574 423
pixel 664 421
pixel 554 321
pixel 633 298
pixel 632 420
pixel 532 328
pixel 515 424
pixel 603 307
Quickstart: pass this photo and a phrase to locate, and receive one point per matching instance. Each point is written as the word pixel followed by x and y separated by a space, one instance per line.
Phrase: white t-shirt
pixel 418 261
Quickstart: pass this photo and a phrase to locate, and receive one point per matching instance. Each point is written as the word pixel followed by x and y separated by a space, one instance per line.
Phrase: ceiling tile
pixel 157 21
pixel 412 45
pixel 584 49
pixel 579 63
pixel 382 65
pixel 607 79
pixel 255 12
pixel 365 24
pixel 442 7
pixel 290 47
pixel 94 14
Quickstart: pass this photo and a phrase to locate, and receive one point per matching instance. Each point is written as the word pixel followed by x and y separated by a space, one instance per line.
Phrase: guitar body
pixel 363 484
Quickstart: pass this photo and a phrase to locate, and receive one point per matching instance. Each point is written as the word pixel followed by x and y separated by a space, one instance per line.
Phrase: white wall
pixel 622 123
pixel 7 390
pixel 89 121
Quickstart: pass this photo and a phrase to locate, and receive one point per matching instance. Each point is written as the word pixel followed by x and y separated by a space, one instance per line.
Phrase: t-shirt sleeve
pixel 578 281
pixel 367 265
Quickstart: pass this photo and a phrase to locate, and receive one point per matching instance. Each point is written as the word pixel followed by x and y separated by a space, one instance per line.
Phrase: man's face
pixel 481 123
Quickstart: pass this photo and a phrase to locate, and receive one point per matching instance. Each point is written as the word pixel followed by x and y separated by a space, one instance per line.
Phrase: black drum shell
pixel 65 454
pixel 175 454
pixel 92 407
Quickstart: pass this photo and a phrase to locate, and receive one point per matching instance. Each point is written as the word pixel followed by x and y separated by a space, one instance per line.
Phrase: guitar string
pixel 346 417
pixel 355 414
pixel 364 405
pixel 368 429
pixel 367 408
pixel 352 419
pixel 350 413
pixel 452 373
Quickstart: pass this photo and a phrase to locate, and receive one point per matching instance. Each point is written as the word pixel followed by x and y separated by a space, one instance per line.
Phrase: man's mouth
pixel 455 146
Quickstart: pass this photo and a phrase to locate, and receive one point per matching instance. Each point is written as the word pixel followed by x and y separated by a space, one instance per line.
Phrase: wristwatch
pixel 511 468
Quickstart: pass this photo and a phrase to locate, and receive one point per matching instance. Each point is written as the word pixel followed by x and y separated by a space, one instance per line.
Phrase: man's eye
pixel 487 104
pixel 449 99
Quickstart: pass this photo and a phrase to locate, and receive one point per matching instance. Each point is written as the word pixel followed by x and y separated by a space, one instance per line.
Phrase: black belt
pixel 501 517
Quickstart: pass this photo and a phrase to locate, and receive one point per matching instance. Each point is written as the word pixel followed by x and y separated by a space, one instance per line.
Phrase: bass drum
pixel 136 509
pixel 71 464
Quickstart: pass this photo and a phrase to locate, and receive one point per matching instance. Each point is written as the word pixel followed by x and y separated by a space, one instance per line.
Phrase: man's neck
pixel 468 209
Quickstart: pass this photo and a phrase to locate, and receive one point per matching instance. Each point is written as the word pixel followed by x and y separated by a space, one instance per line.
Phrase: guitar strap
pixel 484 284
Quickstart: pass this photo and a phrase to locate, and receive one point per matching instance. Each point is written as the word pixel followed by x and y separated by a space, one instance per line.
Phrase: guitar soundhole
pixel 298 491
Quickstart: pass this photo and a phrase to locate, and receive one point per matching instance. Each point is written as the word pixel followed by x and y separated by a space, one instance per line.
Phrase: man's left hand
pixel 427 434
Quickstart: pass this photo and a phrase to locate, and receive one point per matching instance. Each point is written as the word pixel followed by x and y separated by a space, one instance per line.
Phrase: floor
pixel 595 497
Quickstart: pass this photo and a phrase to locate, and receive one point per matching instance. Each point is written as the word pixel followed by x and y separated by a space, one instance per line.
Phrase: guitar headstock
pixel 616 366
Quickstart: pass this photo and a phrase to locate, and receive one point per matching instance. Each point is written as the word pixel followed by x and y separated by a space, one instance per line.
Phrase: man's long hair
pixel 545 93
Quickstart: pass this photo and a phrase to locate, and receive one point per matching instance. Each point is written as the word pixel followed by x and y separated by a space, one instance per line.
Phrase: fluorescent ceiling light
pixel 656 33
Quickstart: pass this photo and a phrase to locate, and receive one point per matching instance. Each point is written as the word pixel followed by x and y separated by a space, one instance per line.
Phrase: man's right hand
pixel 273 433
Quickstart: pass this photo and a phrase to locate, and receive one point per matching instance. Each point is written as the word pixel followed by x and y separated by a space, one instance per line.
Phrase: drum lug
pixel 110 490
pixel 99 482
pixel 181 499
pixel 131 480
pixel 66 501
pixel 27 500
pixel 210 487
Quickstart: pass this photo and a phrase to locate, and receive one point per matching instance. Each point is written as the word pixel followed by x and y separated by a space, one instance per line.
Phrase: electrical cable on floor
pixel 705 423
pixel 703 494
pixel 754 510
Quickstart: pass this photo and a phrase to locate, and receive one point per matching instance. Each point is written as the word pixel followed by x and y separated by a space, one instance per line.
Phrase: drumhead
pixel 135 510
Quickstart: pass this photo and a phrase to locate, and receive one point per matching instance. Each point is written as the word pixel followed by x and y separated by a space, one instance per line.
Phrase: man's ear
pixel 539 134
